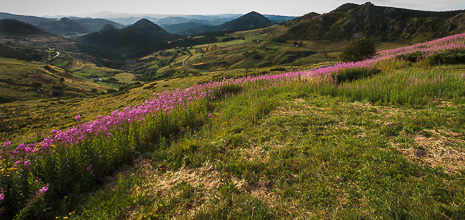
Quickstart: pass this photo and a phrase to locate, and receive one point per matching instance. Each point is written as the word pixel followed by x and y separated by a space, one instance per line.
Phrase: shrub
pixel 58 88
pixel 355 73
pixel 36 85
pixel 279 40
pixel 358 50
pixel 411 57
pixel 56 93
pixel 5 99
pixel 447 57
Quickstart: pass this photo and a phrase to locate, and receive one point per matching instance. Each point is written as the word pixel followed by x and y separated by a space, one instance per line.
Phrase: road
pixel 190 68
pixel 57 54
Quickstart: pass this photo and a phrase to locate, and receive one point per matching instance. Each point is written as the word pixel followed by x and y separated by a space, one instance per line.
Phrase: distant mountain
pixel 183 27
pixel 252 20
pixel 248 21
pixel 279 18
pixel 209 20
pixel 376 23
pixel 27 42
pixel 10 27
pixel 96 24
pixel 164 20
pixel 139 39
pixel 172 20
pixel 64 26
pixel 26 19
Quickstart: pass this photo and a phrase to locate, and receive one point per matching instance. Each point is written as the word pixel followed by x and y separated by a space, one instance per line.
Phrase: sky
pixel 94 8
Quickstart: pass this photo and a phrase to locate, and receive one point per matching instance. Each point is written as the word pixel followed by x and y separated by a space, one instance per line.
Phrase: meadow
pixel 380 138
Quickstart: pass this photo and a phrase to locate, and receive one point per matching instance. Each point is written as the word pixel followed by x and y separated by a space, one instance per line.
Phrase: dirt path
pixel 190 68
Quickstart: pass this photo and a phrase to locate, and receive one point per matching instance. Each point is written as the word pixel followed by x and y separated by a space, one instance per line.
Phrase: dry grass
pixel 438 151
pixel 205 181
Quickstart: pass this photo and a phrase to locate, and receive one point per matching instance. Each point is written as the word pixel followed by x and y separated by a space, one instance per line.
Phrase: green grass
pixel 289 152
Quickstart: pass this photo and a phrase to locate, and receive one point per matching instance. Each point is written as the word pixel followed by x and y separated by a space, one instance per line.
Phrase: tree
pixel 358 50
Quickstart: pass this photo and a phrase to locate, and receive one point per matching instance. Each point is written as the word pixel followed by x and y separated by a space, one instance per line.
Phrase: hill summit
pixel 251 20
pixel 64 26
pixel 139 39
pixel 145 24
pixel 17 28
pixel 377 23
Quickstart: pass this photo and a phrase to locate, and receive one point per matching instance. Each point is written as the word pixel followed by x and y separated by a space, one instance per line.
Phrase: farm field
pixel 379 138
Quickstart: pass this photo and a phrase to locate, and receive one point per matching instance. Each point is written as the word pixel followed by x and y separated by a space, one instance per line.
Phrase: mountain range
pixel 251 20
pixel 349 21
pixel 376 23
pixel 151 37
pixel 63 26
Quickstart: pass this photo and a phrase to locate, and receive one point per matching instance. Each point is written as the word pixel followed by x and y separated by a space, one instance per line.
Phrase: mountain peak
pixel 107 27
pixel 65 19
pixel 367 10
pixel 144 23
pixel 253 13
pixel 346 6
pixel 248 21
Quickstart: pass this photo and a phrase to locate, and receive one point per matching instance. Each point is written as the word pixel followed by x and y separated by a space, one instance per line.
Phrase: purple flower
pixel 42 191
pixel 6 144
pixel 2 196
pixel 89 168
pixel 77 118
pixel 27 163
pixel 209 114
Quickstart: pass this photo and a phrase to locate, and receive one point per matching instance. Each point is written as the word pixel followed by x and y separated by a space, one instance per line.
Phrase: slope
pixel 96 24
pixel 376 23
pixel 11 27
pixel 302 144
pixel 64 26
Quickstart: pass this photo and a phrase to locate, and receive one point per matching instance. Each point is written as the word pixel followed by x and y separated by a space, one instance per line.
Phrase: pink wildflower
pixel 42 191
pixel 6 144
pixel 89 168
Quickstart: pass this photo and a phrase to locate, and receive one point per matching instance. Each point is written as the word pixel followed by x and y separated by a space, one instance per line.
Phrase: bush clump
pixel 357 50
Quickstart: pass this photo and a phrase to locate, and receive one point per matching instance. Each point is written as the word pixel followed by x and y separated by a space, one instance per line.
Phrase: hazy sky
pixel 281 7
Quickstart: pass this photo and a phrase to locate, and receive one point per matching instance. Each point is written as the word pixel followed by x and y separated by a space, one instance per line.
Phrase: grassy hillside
pixel 254 50
pixel 376 23
pixel 273 152
pixel 380 138
pixel 35 118
pixel 17 80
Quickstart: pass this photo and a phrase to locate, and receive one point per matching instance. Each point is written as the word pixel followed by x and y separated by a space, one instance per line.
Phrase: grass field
pixel 303 155
pixel 377 139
